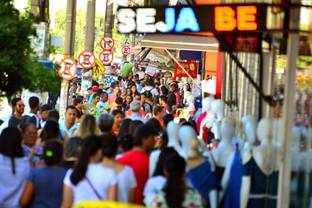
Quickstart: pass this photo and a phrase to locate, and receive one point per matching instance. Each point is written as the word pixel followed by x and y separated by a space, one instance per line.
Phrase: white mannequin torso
pixel 173 136
pixel 193 157
pixel 265 155
pixel 217 108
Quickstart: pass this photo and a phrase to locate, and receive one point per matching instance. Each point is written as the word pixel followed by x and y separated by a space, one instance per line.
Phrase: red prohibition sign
pixel 107 43
pixel 68 69
pixel 126 50
pixel 106 57
pixel 86 59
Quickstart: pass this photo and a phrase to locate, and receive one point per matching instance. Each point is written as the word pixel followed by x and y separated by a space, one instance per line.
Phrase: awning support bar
pixel 177 62
pixel 267 98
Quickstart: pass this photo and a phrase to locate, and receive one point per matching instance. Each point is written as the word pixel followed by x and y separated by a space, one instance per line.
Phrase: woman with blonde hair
pixel 87 126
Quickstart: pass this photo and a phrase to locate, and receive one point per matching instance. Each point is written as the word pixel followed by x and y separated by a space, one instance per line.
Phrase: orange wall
pixel 208 1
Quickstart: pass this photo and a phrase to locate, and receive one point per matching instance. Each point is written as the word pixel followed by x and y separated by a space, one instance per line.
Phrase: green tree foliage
pixel 18 67
pixel 60 25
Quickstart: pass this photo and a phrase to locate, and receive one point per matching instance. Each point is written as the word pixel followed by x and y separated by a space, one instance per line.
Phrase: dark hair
pixel 109 145
pixel 126 142
pixel 26 121
pixel 89 148
pixel 116 112
pixel 134 125
pixel 171 100
pixel 78 113
pixel 157 109
pixel 164 90
pixel 50 130
pixel 149 82
pixel 72 147
pixel 15 101
pixel 70 107
pixel 105 122
pixel 45 107
pixel 124 127
pixel 164 154
pixel 175 187
pixel 52 152
pixel 77 100
pixel 167 118
pixel 33 102
pixel 154 123
pixel 163 98
pixel 53 115
pixel 11 144
pixel 119 101
pixel 142 132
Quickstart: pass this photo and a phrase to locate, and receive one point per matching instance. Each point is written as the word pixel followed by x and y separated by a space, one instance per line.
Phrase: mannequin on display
pixel 204 118
pixel 217 108
pixel 223 153
pixel 173 136
pixel 260 179
pixel 249 129
pixel 173 141
pixel 200 172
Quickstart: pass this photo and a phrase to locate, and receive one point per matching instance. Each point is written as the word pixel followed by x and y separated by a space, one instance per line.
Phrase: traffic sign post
pixel 67 69
pixel 107 43
pixel 86 59
pixel 126 50
pixel 98 70
pixel 106 57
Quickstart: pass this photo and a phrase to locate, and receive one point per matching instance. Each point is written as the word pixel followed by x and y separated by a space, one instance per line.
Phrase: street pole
pixel 109 18
pixel 69 50
pixel 89 43
pixel 288 108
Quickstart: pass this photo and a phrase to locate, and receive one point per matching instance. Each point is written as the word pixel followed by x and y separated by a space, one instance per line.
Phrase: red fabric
pixel 138 160
pixel 205 130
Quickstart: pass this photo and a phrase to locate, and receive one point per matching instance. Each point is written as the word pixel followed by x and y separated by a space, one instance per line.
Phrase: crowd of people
pixel 101 151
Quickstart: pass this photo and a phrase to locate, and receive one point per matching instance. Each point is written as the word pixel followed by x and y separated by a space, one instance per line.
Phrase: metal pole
pixel 288 109
pixel 89 43
pixel 68 50
pixel 109 18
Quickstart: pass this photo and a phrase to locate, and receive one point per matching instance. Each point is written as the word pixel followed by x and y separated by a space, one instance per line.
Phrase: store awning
pixel 180 42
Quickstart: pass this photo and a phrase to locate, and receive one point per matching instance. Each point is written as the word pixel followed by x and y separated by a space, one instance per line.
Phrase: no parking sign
pixel 67 69
pixel 86 59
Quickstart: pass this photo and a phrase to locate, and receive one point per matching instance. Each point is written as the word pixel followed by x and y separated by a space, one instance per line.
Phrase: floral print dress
pixel 158 200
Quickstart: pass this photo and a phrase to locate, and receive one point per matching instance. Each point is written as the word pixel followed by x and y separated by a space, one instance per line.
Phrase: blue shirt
pixel 136 116
pixel 70 131
pixel 48 183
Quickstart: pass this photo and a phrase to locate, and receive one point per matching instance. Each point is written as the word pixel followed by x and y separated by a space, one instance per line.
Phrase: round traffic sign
pixel 126 50
pixel 86 59
pixel 106 57
pixel 107 43
pixel 67 69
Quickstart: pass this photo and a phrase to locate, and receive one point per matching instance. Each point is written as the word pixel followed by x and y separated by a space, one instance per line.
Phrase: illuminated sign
pixel 204 18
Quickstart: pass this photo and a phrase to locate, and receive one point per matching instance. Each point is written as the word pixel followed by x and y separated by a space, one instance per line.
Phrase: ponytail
pixel 90 147
pixel 175 188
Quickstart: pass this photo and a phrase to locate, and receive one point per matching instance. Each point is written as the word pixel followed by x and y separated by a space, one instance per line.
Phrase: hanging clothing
pixel 232 194
pixel 263 188
pixel 203 180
